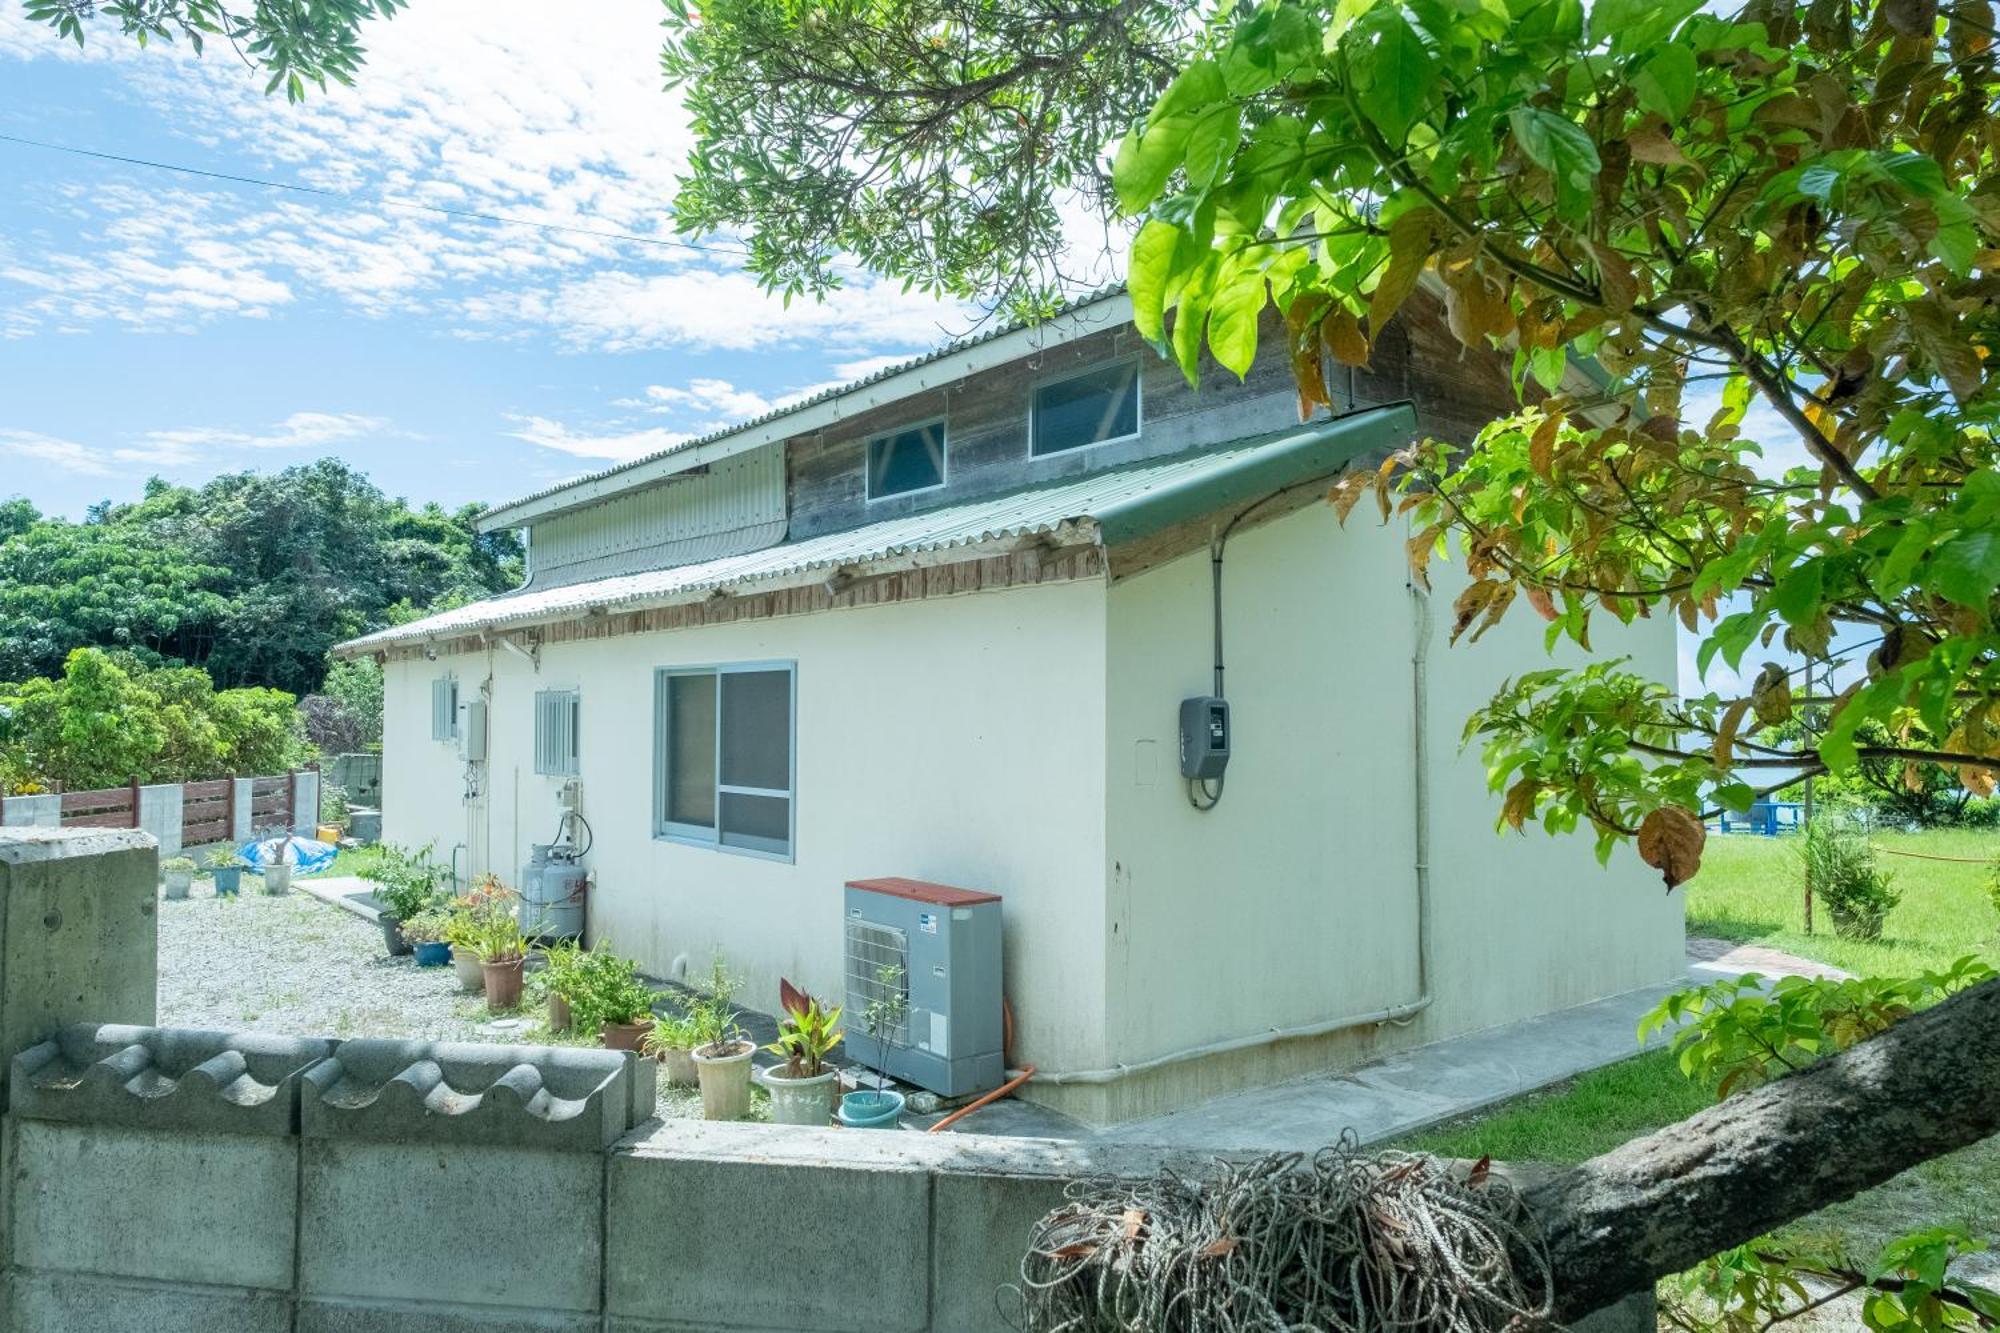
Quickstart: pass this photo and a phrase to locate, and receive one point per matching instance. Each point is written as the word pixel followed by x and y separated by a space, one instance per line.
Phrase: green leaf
pixel 1151 269
pixel 1666 83
pixel 1145 159
pixel 1557 145
pixel 1966 569
pixel 1211 143
pixel 1797 595
pixel 1232 323
pixel 1397 77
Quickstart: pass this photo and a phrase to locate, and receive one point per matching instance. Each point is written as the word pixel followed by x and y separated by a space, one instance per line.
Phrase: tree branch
pixel 1662 1203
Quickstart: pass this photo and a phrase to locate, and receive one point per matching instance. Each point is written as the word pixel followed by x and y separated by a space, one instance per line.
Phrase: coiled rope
pixel 1335 1243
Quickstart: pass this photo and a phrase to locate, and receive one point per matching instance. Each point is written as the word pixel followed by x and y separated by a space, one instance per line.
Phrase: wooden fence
pixel 208 809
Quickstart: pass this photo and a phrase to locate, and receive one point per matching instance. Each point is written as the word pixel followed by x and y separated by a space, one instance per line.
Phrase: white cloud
pixel 710 308
pixel 849 371
pixel 506 107
pixel 705 395
pixel 187 445
pixel 617 446
pixel 65 454
pixel 300 430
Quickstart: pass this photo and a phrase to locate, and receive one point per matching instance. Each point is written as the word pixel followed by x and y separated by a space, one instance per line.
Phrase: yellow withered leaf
pixel 1670 841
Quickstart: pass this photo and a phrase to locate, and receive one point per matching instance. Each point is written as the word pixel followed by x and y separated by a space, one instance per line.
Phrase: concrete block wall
pixel 167 1179
pixel 160 815
pixel 305 802
pixel 43 811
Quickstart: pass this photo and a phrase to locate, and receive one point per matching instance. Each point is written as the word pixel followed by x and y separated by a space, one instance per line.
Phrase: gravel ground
pixel 295 965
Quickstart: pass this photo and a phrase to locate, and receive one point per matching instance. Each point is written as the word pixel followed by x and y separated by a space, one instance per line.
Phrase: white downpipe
pixel 1399 1014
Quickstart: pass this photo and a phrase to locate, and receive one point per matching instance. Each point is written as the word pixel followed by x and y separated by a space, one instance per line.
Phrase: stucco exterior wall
pixel 956 739
pixel 1294 902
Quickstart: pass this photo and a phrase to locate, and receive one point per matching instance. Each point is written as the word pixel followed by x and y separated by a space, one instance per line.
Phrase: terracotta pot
pixel 471 977
pixel 677 1067
pixel 626 1036
pixel 503 984
pixel 559 1015
pixel 725 1081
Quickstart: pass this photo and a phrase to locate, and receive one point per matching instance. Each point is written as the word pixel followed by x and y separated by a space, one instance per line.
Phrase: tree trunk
pixel 1660 1204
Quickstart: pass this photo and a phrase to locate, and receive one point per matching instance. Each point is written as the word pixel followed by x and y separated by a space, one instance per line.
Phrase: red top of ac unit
pixel 921 891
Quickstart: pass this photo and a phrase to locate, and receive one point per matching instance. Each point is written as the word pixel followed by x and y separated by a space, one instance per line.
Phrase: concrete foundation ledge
pixel 405 1317
pixel 548 1097
pixel 78 1303
pixel 165 1078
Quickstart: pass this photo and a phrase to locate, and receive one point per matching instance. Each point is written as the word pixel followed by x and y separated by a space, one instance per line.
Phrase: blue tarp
pixel 308 856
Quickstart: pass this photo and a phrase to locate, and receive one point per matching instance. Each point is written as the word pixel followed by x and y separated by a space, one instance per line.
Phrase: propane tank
pixel 552 891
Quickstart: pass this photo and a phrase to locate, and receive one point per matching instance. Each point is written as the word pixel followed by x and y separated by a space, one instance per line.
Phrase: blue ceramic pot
pixel 432 953
pixel 228 881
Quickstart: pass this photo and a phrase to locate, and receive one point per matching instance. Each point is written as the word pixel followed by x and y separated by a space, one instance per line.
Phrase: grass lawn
pixel 1749 890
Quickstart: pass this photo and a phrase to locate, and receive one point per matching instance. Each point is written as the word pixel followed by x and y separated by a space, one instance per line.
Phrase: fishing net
pixel 1335 1243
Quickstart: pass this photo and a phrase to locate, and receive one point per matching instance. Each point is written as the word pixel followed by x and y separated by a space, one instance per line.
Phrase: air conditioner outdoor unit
pixel 938 949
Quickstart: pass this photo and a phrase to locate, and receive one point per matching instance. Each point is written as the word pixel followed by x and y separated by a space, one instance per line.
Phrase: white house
pixel 940 624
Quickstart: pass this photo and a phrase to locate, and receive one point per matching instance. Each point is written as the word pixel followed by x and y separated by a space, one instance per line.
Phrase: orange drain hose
pixel 992 1096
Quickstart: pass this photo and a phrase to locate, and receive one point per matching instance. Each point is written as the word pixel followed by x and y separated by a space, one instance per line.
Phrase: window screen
pixel 1098 405
pixel 726 757
pixel 557 713
pixel 444 709
pixel 906 460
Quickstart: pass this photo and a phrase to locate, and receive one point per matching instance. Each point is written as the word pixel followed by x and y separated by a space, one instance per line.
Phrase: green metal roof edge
pixel 1319 449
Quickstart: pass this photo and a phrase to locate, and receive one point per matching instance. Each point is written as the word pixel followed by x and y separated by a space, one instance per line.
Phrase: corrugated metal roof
pixel 999 329
pixel 1114 506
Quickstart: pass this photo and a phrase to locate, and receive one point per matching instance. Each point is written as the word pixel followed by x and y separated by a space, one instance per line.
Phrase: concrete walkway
pixel 1412 1089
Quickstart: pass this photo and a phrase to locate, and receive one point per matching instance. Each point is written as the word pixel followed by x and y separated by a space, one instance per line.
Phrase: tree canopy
pixel 252 577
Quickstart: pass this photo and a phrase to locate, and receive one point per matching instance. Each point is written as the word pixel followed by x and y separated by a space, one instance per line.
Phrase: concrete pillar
pixel 305 802
pixel 244 826
pixel 160 815
pixel 31 811
pixel 78 937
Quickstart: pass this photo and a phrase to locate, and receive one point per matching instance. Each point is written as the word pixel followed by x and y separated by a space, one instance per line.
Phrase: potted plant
pixel 802 1091
pixel 486 896
pixel 503 954
pixel 721 1053
pixel 178 874
pixel 671 1041
pixel 425 933
pixel 557 981
pixel 406 883
pixel 879 1107
pixel 226 867
pixel 626 1009
pixel 277 870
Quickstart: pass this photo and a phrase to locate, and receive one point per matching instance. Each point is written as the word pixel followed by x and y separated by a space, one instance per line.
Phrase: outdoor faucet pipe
pixel 1401 1014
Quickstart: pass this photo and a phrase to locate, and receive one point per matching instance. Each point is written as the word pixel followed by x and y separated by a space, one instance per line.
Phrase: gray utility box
pixel 945 945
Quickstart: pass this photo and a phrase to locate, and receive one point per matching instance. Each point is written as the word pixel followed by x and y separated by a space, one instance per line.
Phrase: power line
pixel 660 241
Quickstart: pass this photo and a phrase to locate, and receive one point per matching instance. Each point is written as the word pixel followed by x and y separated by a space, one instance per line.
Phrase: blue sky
pixel 154 323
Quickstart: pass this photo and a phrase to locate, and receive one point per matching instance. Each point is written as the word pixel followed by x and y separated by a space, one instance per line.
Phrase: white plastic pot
pixel 278 879
pixel 177 882
pixel 725 1082
pixel 465 965
pixel 677 1067
pixel 801 1101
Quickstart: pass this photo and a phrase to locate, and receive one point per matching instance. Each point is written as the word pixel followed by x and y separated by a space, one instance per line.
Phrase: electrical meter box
pixel 472 732
pixel 927 958
pixel 1204 737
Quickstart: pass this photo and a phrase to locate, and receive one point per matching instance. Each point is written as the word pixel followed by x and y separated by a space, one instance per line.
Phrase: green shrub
pixel 1840 866
pixel 406 882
